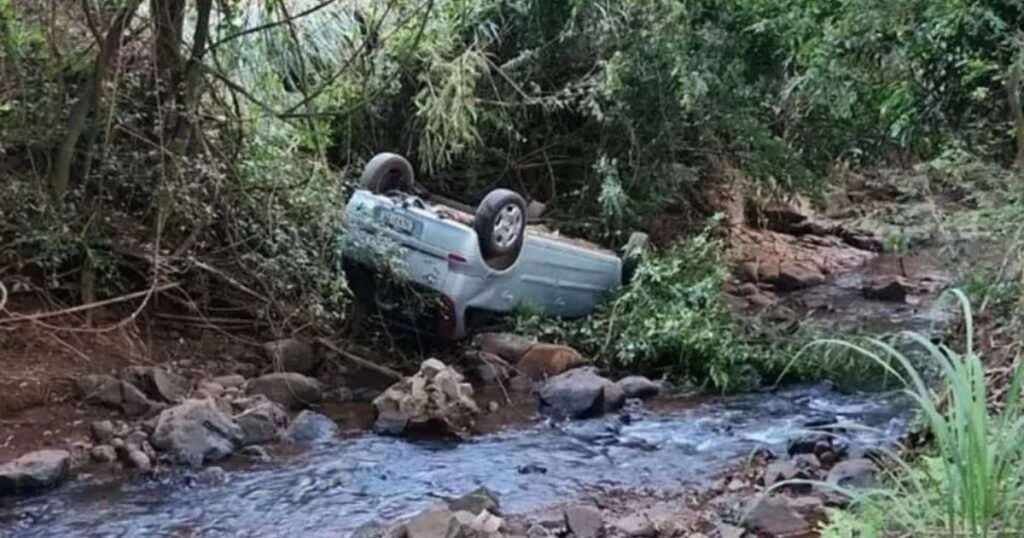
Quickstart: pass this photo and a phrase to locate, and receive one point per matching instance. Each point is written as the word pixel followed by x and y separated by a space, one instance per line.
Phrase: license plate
pixel 399 223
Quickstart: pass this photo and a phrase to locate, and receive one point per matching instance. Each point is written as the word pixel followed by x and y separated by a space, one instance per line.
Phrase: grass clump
pixel 971 481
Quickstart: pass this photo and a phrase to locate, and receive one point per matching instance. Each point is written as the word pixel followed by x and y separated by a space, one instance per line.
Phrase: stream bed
pixel 335 487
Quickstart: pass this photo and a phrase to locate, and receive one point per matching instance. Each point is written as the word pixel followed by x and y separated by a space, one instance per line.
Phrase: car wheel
pixel 631 255
pixel 500 225
pixel 387 172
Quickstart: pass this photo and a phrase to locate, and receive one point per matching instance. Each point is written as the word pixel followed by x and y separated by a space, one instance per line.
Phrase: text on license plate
pixel 397 222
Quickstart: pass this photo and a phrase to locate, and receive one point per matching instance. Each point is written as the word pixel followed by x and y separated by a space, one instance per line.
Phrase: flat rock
pixel 636 525
pixel 34 471
pixel 157 383
pixel 542 361
pixel 292 390
pixel 311 427
pixel 584 521
pixel 794 276
pixel 292 355
pixel 434 523
pixel 853 473
pixel 110 392
pixel 197 432
pixel 772 515
pixel 636 386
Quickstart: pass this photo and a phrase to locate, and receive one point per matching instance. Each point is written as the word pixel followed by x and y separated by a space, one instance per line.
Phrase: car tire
pixel 500 225
pixel 387 172
pixel 632 253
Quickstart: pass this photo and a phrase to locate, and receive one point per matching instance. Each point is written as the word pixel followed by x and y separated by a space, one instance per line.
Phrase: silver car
pixel 473 263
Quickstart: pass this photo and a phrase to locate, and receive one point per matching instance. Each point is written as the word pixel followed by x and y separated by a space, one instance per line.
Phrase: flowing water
pixel 335 487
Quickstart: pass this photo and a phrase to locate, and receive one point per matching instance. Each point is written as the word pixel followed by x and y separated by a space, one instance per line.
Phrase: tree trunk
pixel 168 19
pixel 1013 94
pixel 88 100
pixel 191 90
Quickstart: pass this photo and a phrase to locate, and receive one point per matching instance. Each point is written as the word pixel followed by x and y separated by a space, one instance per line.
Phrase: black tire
pixel 500 225
pixel 632 254
pixel 387 172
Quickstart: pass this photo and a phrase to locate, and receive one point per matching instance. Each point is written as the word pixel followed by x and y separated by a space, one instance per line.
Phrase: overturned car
pixel 465 265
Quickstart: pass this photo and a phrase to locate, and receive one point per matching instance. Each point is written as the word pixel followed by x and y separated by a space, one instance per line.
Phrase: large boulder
pixel 292 355
pixel 157 383
pixel 542 361
pixel 34 471
pixel 196 432
pixel 261 422
pixel 292 390
pixel 636 386
pixel 434 401
pixel 580 393
pixel 509 347
pixel 110 392
pixel 311 427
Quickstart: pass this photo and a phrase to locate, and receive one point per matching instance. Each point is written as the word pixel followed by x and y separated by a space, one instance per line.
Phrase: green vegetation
pixel 971 481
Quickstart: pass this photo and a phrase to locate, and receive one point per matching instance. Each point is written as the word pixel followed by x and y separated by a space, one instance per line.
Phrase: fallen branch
pixel 16 318
pixel 361 362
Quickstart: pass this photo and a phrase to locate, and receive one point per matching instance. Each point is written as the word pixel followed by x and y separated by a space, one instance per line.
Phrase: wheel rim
pixel 507 226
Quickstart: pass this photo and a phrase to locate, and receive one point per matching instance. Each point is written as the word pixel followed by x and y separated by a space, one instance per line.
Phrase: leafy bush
pixel 972 483
pixel 671 319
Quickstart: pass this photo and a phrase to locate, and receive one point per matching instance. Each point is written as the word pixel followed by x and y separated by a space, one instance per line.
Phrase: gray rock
pixel 292 390
pixel 729 531
pixel 311 427
pixel 140 461
pixel 115 393
pixel 229 381
pixel 262 422
pixel 855 473
pixel 434 523
pixel 103 431
pixel 636 386
pixel 211 389
pixel 103 454
pixel 476 501
pixel 584 521
pixel 34 471
pixel 488 368
pixel 794 276
pixel 196 432
pixel 781 471
pixel 157 383
pixel 579 393
pixel 292 355
pixel 636 525
pixel 435 401
pixel 772 515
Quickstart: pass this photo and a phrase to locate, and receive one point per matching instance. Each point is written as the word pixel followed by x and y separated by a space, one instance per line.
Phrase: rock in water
pixel 773 516
pixel 262 421
pixel 636 386
pixel 311 427
pixel 110 392
pixel 476 501
pixel 292 355
pixel 584 521
pixel 157 383
pixel 434 401
pixel 34 471
pixel 292 390
pixel 196 432
pixel 580 393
